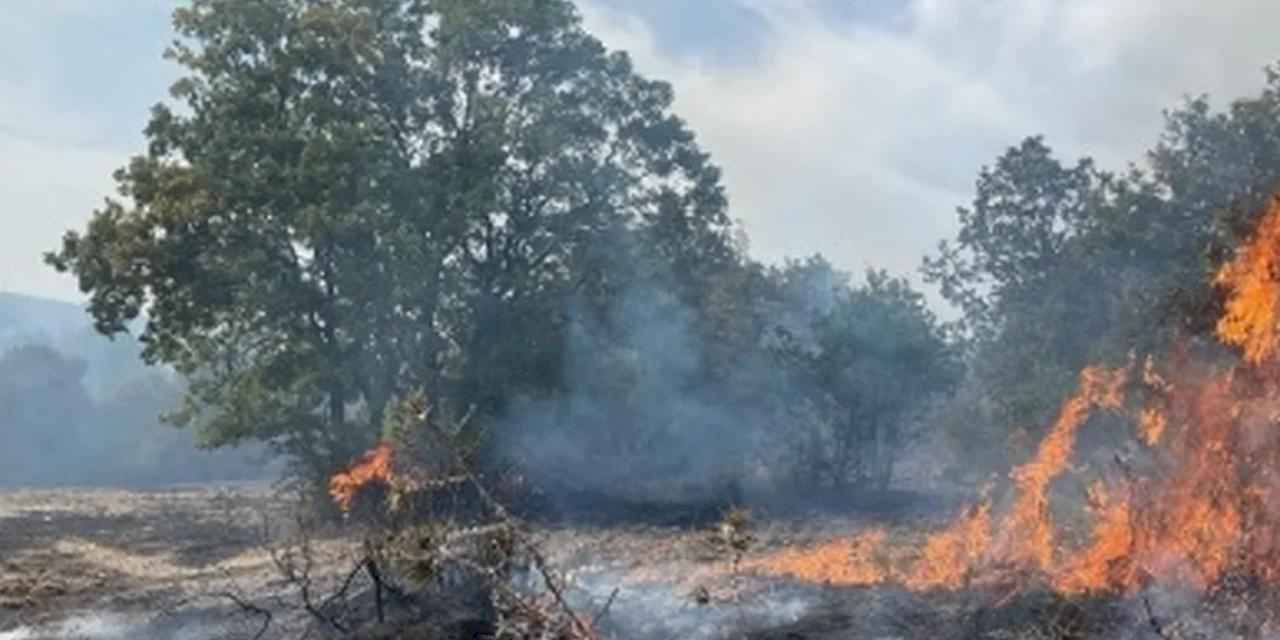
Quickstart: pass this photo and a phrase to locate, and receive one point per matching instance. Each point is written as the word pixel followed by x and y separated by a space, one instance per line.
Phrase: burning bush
pixel 1201 511
pixel 441 535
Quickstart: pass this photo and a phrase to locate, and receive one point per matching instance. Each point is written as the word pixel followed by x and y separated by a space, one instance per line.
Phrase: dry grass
pixel 69 550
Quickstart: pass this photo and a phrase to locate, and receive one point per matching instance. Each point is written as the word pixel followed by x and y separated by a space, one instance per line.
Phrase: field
pixel 183 562
pixel 119 563
pixel 112 563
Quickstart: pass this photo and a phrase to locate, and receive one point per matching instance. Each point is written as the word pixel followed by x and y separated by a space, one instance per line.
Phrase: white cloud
pixel 50 188
pixel 74 90
pixel 858 139
pixel 855 137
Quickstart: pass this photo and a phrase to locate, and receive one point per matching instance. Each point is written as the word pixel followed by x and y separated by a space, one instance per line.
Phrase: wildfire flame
pixel 1203 508
pixel 843 562
pixel 1250 316
pixel 950 556
pixel 374 466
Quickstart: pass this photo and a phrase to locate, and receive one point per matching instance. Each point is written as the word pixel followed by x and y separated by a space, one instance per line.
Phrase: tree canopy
pixel 348 201
pixel 349 195
pixel 1060 264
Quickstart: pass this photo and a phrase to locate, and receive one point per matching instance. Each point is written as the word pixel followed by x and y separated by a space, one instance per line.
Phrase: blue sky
pixel 849 127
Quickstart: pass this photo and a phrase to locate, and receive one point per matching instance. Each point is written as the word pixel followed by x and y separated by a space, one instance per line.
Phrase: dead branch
pixel 604 610
pixel 296 567
pixel 540 563
pixel 370 564
pixel 251 609
pixel 1153 621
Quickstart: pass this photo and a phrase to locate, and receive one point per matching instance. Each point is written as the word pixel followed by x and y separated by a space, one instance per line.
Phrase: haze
pixel 824 114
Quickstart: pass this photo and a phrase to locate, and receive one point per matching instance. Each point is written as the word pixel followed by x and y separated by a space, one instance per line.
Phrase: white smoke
pixel 112 626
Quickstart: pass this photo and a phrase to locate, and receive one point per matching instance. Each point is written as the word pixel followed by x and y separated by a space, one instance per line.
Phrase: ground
pixel 68 554
pixel 113 564
pixel 180 553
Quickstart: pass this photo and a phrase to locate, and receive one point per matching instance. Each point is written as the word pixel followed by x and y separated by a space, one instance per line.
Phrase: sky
pixel 853 128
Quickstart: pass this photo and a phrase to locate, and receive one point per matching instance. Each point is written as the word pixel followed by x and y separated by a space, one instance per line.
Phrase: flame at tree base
pixel 373 468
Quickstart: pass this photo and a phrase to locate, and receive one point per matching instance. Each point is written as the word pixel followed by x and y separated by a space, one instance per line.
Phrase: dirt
pixel 156 564
pixel 181 552
pixel 86 553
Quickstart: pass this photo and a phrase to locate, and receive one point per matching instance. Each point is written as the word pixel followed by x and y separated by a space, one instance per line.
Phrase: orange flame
pixel 374 466
pixel 1203 507
pixel 842 562
pixel 1028 528
pixel 950 556
pixel 1250 316
pixel 1105 564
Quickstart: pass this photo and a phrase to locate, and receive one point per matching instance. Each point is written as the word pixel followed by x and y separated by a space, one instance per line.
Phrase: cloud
pixel 51 188
pixel 858 134
pixel 74 91
pixel 847 127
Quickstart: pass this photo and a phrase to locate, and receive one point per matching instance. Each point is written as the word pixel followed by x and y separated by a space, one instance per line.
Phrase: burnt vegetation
pixel 463 269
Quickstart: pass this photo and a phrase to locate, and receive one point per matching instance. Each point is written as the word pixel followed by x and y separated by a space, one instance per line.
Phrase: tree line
pixel 349 201
pixel 59 433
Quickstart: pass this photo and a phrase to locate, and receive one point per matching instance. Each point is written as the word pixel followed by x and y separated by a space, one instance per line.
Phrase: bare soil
pixel 133 554
pixel 180 551
pixel 177 555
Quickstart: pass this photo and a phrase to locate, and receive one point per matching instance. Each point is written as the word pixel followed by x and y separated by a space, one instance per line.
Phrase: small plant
pixel 733 534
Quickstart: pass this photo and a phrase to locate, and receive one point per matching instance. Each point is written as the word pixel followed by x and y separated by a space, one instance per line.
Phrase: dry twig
pixel 251 609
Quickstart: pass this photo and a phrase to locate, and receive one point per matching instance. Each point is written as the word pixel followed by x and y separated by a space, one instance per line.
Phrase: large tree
pixel 354 198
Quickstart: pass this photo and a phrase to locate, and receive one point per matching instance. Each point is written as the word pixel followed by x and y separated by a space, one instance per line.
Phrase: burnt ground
pixel 156 564
pixel 100 559
pixel 160 557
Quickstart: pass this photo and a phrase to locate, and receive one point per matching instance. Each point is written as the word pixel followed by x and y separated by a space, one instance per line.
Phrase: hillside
pixel 91 407
pixel 68 328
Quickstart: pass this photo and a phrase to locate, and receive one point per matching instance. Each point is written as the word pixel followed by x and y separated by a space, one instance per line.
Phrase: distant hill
pixel 24 317
pixel 67 327
pixel 91 407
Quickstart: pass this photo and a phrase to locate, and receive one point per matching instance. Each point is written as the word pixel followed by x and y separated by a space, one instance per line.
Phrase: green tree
pixel 356 198
pixel 868 359
pixel 1026 210
pixel 1056 266
pixel 1019 272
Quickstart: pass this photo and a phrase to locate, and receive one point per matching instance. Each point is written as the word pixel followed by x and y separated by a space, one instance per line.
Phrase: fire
pixel 1105 564
pixel 374 466
pixel 1250 316
pixel 1151 425
pixel 950 556
pixel 843 562
pixel 1194 504
pixel 1200 508
pixel 1028 529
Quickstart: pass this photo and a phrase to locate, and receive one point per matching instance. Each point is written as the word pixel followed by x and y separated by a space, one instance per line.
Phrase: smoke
pixel 638 416
pixel 659 612
pixel 78 409
pixel 101 625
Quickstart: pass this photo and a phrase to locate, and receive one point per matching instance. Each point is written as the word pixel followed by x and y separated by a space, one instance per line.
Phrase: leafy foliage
pixel 343 206
pixel 355 199
pixel 868 359
pixel 1057 265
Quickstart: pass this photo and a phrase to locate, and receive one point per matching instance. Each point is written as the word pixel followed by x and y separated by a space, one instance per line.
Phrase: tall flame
pixel 950 556
pixel 1203 506
pixel 1028 538
pixel 1251 311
